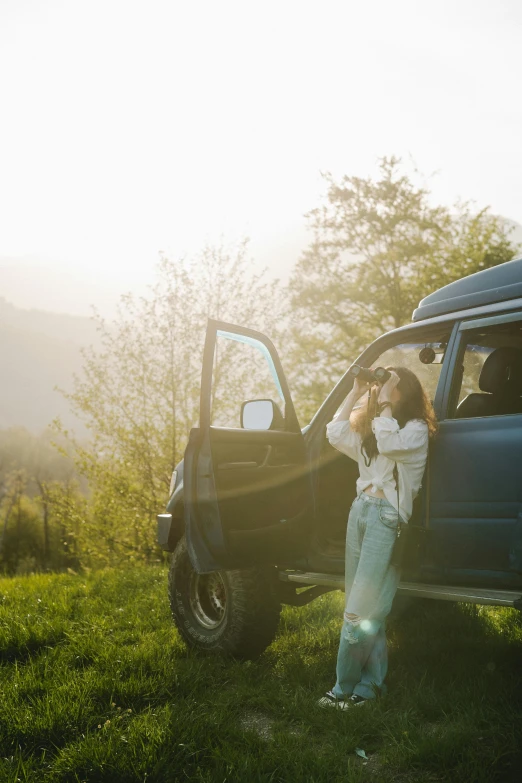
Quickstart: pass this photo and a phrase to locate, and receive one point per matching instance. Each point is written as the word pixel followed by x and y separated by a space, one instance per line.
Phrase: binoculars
pixel 364 374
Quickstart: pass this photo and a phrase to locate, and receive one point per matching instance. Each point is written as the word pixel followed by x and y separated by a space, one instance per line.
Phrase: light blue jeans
pixel 370 584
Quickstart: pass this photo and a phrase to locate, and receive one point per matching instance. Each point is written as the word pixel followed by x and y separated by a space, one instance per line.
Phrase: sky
pixel 129 128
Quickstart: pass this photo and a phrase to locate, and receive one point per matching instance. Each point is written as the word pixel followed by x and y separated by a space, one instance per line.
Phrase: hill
pixel 39 351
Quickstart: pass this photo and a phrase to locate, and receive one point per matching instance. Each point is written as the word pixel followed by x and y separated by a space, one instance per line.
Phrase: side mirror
pixel 261 415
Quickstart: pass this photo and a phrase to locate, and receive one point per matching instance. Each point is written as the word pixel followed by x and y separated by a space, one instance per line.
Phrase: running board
pixel 469 595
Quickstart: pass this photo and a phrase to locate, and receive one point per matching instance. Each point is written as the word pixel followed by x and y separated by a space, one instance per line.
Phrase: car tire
pixel 232 613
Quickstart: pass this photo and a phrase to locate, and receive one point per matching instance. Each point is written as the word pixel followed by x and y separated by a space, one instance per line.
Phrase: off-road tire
pixel 230 613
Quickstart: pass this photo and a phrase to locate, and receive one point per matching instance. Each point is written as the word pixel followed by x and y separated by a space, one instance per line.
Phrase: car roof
pixel 498 284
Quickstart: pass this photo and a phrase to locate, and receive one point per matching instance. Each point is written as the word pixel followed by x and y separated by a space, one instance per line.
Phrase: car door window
pixel 423 358
pixel 243 370
pixel 488 375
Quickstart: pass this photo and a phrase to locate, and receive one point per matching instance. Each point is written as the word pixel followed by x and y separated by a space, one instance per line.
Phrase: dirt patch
pixel 260 724
pixel 263 725
pixel 373 764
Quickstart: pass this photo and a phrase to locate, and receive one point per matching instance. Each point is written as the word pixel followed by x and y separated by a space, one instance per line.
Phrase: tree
pixel 378 247
pixel 139 394
pixel 31 467
pixel 21 541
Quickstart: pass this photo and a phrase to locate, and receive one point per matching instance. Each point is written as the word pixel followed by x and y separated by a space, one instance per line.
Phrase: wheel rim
pixel 208 599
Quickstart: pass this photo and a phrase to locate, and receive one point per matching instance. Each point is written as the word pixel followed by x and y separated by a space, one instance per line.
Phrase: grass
pixel 96 685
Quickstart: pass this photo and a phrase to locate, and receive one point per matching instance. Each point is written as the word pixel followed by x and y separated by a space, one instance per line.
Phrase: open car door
pixel 247 487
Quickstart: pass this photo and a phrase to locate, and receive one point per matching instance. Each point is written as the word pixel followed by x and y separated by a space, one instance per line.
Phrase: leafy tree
pixel 22 538
pixel 30 467
pixel 139 394
pixel 378 247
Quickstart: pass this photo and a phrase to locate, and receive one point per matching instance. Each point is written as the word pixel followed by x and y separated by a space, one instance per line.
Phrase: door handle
pixel 240 465
pixel 267 457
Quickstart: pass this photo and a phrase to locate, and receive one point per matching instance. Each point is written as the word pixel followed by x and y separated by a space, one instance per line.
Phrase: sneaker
pixel 355 699
pixel 331 700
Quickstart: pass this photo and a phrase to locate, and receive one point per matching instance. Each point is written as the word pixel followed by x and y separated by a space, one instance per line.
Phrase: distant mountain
pixel 38 351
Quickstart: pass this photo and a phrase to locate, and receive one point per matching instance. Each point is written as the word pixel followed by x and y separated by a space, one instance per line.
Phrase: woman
pixel 388 438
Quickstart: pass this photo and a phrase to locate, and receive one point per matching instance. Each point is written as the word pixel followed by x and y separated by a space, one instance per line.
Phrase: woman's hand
pixel 388 387
pixel 360 388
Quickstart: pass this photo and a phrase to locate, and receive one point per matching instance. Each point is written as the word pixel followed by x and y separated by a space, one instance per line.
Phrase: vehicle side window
pixel 488 379
pixel 422 358
pixel 243 370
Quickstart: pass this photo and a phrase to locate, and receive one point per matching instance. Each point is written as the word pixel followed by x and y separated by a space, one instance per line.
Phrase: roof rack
pixel 498 284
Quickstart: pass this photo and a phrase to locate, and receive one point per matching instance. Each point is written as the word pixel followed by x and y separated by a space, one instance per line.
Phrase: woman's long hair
pixel 414 404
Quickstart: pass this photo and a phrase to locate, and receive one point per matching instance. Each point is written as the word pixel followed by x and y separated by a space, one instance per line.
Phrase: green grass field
pixel 96 685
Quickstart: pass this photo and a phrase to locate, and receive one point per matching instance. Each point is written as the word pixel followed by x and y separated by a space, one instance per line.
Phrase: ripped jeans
pixel 370 584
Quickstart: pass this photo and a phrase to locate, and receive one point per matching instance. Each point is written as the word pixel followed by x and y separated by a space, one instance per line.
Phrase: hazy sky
pixel 132 127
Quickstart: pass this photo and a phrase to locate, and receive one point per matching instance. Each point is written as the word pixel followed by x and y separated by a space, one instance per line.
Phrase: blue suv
pixel 258 508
